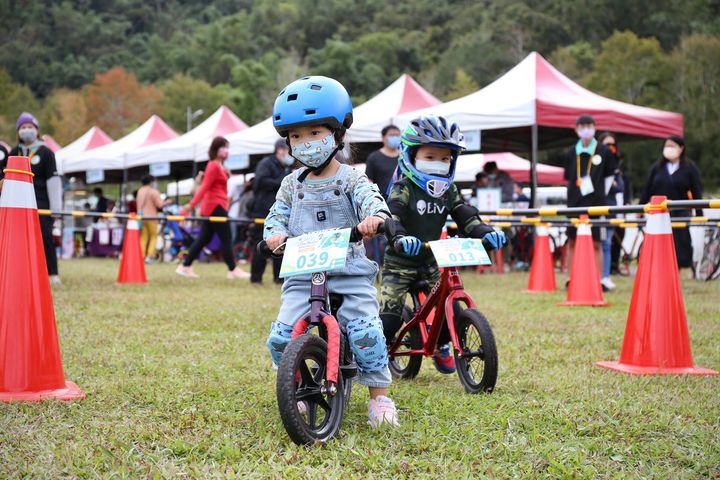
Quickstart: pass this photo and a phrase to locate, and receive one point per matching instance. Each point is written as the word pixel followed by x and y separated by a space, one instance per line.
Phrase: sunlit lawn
pixel 179 385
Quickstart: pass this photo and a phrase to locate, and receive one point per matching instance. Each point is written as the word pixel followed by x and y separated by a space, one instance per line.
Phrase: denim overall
pixel 322 205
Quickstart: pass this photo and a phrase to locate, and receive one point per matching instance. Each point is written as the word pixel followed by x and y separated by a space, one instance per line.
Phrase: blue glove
pixel 408 245
pixel 495 239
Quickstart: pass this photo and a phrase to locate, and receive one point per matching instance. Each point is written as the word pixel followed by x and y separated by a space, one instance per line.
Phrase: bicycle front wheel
pixel 477 367
pixel 309 412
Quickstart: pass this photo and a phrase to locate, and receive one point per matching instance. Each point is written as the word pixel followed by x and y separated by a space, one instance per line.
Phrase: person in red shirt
pixel 213 195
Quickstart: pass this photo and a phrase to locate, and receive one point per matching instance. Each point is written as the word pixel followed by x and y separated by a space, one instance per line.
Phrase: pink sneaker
pixel 238 273
pixel 381 410
pixel 184 271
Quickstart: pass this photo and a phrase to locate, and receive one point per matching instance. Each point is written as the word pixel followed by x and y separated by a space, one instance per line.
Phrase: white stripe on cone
pixel 542 231
pixel 133 225
pixel 584 229
pixel 18 194
pixel 658 224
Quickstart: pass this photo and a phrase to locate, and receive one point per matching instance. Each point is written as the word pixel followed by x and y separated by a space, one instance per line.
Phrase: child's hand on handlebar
pixel 275 242
pixel 496 239
pixel 368 227
pixel 408 245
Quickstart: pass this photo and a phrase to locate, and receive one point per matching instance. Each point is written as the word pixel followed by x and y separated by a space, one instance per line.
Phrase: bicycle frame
pixel 448 290
pixel 319 316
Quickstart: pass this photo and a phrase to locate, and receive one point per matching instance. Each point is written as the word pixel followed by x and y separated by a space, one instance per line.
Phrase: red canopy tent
pixel 535 106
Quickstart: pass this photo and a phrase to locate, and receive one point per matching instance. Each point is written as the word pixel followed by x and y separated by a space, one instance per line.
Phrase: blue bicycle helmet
pixel 313 100
pixel 435 131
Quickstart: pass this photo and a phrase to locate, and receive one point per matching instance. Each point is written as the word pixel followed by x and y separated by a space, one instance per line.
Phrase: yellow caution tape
pixel 218 219
pixel 107 215
pixel 678 224
pixel 715 203
pixel 77 213
pixel 507 212
pixel 598 210
pixel 656 208
pixel 616 221
pixel 548 212
pixel 502 224
pixel 629 225
pixel 535 220
pixel 699 219
pixel 43 212
pixel 175 218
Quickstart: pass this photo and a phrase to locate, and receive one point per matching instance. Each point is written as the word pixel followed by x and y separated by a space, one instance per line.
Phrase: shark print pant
pixel 358 314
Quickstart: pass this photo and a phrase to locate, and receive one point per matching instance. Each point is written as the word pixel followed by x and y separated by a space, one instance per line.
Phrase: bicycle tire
pixel 709 265
pixel 303 428
pixel 483 349
pixel 412 340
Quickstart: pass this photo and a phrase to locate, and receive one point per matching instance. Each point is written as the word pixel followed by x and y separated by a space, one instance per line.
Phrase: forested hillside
pixel 112 63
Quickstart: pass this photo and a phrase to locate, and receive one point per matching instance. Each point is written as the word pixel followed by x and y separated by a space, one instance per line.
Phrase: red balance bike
pixel 446 304
pixel 314 378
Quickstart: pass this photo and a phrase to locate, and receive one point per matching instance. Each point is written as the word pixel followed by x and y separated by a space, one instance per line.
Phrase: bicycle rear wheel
pixel 407 366
pixel 708 267
pixel 301 380
pixel 478 365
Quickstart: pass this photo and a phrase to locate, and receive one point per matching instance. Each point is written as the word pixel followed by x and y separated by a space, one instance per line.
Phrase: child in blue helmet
pixel 313 114
pixel 420 202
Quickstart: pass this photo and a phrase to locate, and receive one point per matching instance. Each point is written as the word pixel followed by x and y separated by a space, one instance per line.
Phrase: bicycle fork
pixel 319 316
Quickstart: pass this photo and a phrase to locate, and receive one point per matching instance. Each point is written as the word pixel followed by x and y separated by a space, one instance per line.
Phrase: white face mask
pixel 432 168
pixel 27 135
pixel 671 153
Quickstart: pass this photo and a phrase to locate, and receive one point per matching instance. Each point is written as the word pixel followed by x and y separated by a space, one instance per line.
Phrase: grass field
pixel 179 385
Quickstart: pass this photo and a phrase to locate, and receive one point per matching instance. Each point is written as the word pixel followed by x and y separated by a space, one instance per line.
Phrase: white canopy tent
pixel 91 139
pixel 193 145
pixel 403 95
pixel 113 156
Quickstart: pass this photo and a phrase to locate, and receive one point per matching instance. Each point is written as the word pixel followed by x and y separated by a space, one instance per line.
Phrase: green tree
pixel 15 99
pixel 696 85
pixel 463 85
pixel 632 69
pixel 183 91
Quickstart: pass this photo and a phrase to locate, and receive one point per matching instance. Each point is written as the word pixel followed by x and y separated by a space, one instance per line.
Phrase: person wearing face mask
pixel 589 170
pixel 269 175
pixel 678 178
pixel 314 113
pixel 47 183
pixel 149 204
pixel 213 195
pixel 381 164
pixel 496 178
pixel 420 202
pixel 379 168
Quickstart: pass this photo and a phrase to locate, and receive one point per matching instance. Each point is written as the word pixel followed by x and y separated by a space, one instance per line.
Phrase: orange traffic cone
pixel 30 362
pixel 132 264
pixel 584 288
pixel 656 335
pixel 542 270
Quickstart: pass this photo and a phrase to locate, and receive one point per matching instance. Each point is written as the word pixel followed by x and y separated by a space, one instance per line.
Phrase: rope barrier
pixel 604 210
pixel 132 216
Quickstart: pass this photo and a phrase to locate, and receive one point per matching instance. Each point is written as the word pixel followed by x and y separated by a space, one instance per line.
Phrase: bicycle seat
pixel 419 286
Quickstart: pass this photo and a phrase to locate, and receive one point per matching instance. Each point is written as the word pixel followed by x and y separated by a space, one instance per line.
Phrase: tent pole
pixel 123 191
pixel 533 165
pixel 194 170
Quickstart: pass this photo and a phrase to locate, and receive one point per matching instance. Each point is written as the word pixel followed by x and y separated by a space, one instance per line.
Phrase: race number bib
pixel 315 252
pixel 456 252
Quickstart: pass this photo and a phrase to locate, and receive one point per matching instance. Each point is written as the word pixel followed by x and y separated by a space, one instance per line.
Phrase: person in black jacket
pixel 268 176
pixel 678 178
pixel 47 183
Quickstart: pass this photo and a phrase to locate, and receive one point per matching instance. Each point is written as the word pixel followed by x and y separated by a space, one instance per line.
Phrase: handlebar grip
pixel 355 235
pixel 263 250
